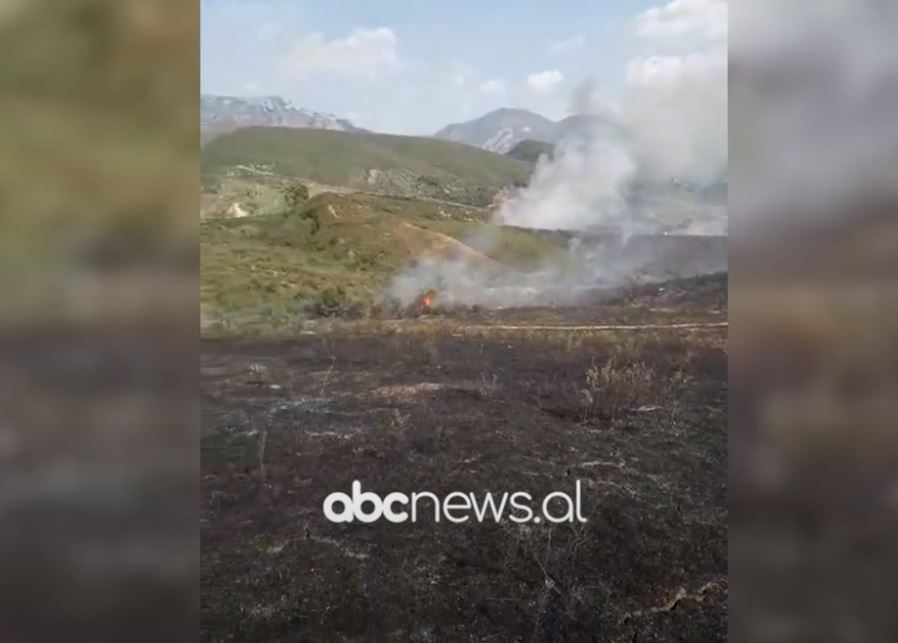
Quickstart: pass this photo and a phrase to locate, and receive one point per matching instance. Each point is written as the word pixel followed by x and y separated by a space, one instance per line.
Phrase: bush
pixel 329 302
pixel 615 390
pixel 295 196
pixel 312 217
pixel 334 302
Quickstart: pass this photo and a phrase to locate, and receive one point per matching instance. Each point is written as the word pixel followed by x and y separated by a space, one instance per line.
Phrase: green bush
pixel 295 196
pixel 334 302
pixel 330 302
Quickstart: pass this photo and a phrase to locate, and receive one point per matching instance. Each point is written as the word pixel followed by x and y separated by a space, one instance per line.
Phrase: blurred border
pixel 98 367
pixel 99 532
pixel 813 338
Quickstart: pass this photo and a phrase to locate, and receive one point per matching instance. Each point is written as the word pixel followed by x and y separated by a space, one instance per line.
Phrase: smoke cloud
pixel 671 126
pixel 623 177
pixel 582 187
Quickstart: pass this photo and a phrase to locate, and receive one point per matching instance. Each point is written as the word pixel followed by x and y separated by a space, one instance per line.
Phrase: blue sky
pixel 413 67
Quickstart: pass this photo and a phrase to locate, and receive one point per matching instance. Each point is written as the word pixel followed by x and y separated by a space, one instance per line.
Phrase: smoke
pixel 671 126
pixel 676 110
pixel 645 167
pixel 587 100
pixel 460 282
pixel 584 266
pixel 582 187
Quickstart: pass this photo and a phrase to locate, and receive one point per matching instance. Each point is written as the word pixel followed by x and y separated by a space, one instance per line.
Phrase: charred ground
pixel 618 396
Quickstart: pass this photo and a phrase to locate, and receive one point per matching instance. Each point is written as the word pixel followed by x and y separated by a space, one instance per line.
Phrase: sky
pixel 414 67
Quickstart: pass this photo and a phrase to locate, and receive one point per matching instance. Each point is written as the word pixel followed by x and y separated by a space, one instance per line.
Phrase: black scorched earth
pixel 628 397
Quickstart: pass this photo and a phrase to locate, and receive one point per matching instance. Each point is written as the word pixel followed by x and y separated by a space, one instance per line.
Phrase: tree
pixel 295 196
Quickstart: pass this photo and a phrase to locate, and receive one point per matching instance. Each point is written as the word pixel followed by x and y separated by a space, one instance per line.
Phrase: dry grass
pixel 616 389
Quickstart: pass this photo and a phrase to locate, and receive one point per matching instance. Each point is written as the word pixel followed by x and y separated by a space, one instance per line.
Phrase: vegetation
pixel 346 158
pixel 529 151
pixel 295 196
pixel 334 255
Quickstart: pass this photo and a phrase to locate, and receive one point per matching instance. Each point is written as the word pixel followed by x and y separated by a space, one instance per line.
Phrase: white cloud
pixel 569 46
pixel 694 22
pixel 459 80
pixel 493 87
pixel 365 52
pixel 544 81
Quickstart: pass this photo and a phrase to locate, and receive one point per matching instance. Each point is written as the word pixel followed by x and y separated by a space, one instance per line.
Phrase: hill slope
pixel 336 255
pixel 529 150
pixel 400 165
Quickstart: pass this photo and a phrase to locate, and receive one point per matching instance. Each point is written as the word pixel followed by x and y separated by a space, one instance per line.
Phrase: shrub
pixel 312 217
pixel 295 196
pixel 615 390
pixel 329 302
pixel 334 302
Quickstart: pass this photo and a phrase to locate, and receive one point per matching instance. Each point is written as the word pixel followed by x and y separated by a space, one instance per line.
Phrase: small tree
pixel 295 196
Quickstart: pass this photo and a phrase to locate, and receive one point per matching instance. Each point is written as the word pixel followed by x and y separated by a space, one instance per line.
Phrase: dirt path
pixel 615 327
pixel 456 327
pixel 466 328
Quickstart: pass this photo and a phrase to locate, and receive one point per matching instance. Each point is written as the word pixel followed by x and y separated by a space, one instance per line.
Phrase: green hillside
pixel 529 150
pixel 344 158
pixel 334 255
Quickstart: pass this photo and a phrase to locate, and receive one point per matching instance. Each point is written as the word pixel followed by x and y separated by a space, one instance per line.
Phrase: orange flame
pixel 425 301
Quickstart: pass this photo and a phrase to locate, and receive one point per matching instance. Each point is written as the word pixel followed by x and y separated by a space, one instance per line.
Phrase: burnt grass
pixel 288 421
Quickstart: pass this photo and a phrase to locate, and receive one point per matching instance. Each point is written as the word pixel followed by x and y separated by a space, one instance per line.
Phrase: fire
pixel 425 301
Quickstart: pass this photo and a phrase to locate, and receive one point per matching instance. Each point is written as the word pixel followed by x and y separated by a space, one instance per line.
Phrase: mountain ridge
pixel 502 129
pixel 221 114
pixel 384 163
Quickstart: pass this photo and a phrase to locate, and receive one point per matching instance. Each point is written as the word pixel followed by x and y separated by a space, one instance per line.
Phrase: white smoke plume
pixel 616 171
pixel 676 109
pixel 671 125
pixel 581 188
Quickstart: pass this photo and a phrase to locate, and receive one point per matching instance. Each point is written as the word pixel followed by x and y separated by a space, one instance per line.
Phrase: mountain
pixel 398 165
pixel 501 130
pixel 222 114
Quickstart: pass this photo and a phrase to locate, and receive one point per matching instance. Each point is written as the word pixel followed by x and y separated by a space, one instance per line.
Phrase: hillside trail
pixel 459 329
pixel 321 188
pixel 574 328
pixel 599 327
